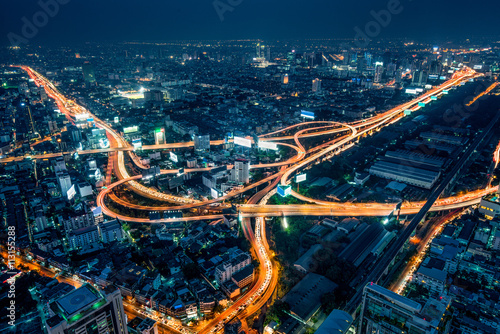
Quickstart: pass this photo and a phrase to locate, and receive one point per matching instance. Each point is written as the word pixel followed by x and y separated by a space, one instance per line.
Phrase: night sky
pixel 168 20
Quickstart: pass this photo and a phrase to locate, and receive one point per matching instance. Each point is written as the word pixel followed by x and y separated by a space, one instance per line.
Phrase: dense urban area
pixel 250 186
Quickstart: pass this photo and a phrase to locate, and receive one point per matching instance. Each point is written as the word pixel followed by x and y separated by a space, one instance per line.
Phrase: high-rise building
pixel 64 181
pixel 369 59
pixel 242 171
pixel 345 57
pixel 87 310
pixel 379 70
pixel 202 143
pixel 386 312
pixel 88 74
pixel 316 86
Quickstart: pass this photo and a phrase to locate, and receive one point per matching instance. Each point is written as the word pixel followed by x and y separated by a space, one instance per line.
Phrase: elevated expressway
pixel 349 134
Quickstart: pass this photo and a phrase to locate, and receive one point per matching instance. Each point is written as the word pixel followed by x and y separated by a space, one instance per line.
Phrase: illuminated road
pixel 266 281
pixel 41 270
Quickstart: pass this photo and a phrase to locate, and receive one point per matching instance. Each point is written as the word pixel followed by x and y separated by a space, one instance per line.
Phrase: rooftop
pixel 78 300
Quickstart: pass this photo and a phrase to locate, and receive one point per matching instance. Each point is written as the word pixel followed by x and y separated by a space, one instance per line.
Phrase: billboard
pixel 130 129
pixel 137 143
pixel 434 98
pixel 446 92
pixel 117 119
pixel 82 117
pixel 407 112
pixel 301 178
pixel 175 182
pixel 242 142
pixel 173 157
pixel 307 114
pixel 421 104
pixel 284 191
pixel 268 145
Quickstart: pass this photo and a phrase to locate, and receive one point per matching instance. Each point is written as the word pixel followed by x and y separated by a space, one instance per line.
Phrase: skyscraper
pixel 86 310
pixel 379 70
pixel 88 74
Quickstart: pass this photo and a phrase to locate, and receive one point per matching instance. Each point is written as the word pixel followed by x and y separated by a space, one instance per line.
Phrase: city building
pixel 337 322
pixel 410 175
pixel 84 237
pixel 241 171
pixel 490 206
pixel 89 74
pixel 86 310
pixel 386 312
pixel 142 326
pixel 316 86
pixel 225 271
pixel 110 231
pixel 432 278
pixel 202 143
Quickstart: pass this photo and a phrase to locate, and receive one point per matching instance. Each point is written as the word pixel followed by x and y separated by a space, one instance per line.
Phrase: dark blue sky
pixel 164 20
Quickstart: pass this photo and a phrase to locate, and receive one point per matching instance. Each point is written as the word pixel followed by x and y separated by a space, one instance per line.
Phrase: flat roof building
pixel 86 309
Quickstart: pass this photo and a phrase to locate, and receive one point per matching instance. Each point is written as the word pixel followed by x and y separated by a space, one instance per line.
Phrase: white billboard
pixel 301 178
pixel 242 142
pixel 130 129
pixel 71 192
pixel 173 157
pixel 82 117
pixel 268 145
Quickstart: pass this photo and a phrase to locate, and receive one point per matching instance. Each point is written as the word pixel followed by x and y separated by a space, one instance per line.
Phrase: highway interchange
pixel 345 136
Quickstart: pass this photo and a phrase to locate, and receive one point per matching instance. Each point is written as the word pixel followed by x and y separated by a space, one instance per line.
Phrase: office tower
pixel 76 134
pixel 202 143
pixel 64 182
pixel 345 57
pixel 369 59
pixel 379 70
pixel 257 51
pixel 386 312
pixel 242 171
pixel 420 78
pixel 88 74
pixel 154 95
pixel 399 76
pixel 86 310
pixel 316 86
pixel 268 53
